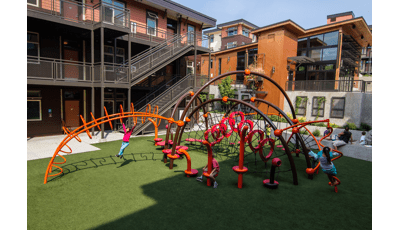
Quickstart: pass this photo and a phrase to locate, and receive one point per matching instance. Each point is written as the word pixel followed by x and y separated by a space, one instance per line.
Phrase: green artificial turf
pixel 100 191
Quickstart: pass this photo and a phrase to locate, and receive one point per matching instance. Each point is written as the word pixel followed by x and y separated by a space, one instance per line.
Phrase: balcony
pixel 77 12
pixel 58 70
pixel 330 86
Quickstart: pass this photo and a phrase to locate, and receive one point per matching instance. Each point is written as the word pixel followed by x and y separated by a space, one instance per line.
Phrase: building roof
pixel 355 27
pixel 340 14
pixel 211 31
pixel 236 22
pixel 183 10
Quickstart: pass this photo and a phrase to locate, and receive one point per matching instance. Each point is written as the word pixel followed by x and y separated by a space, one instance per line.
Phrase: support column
pixel 102 77
pixel 129 76
pixel 92 72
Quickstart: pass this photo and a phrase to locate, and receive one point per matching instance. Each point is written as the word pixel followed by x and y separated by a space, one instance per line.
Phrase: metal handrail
pixel 153 56
pixel 161 87
pixel 326 85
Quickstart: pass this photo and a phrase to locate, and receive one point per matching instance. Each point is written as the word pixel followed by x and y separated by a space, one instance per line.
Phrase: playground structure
pixel 206 124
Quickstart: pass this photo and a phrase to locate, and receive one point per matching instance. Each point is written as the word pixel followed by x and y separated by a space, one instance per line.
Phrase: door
pixel 290 81
pixel 70 10
pixel 72 113
pixel 110 110
pixel 71 69
pixel 191 33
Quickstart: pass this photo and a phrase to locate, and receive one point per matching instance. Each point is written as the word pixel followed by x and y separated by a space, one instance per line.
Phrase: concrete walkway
pixel 44 147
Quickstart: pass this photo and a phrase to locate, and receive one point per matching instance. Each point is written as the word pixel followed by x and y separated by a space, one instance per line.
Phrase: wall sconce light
pixel 202 62
pixel 228 59
pixel 273 69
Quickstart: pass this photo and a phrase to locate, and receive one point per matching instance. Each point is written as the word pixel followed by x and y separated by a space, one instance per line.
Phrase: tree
pixel 225 89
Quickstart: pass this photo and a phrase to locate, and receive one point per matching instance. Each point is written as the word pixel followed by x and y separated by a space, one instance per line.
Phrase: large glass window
pixel 232 31
pixel 34 106
pixel 245 32
pixel 329 54
pixel 331 39
pixel 33 44
pixel 315 54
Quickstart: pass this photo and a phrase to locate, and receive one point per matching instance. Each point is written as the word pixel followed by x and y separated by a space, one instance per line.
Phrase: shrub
pixel 351 126
pixel 301 119
pixel 289 115
pixel 365 127
pixel 333 125
pixel 303 132
pixel 316 133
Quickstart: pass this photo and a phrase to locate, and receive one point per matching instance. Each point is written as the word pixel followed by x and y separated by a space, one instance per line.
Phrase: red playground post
pixel 241 169
pixel 209 165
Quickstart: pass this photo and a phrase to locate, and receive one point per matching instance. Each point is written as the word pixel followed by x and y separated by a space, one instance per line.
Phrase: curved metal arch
pixel 289 121
pixel 174 111
pixel 87 126
pixel 289 155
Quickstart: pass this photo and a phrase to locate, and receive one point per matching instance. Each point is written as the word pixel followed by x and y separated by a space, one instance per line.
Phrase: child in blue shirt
pixel 324 156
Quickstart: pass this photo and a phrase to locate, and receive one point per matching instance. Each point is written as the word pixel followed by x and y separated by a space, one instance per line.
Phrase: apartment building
pixel 324 58
pixel 86 54
pixel 231 34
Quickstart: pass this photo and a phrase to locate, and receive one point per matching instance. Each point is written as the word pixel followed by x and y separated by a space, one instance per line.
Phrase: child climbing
pixel 125 140
pixel 214 172
pixel 327 166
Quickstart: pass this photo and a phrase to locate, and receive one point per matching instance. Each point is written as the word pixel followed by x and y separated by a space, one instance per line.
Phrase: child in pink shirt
pixel 214 172
pixel 125 140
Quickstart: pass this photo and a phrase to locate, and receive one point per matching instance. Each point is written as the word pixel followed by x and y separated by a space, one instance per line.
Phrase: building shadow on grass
pixel 104 161
pixel 184 203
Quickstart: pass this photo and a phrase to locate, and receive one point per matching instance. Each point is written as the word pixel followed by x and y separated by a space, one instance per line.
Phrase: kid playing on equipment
pixel 214 172
pixel 125 140
pixel 327 166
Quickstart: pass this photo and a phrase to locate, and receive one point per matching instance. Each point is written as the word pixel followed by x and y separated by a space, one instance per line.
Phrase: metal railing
pixel 58 69
pixel 165 99
pixel 152 58
pixel 330 86
pixel 151 34
pixel 79 12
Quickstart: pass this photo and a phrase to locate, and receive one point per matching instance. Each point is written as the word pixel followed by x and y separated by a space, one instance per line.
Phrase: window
pixel 315 54
pixel 254 38
pixel 337 107
pixel 120 56
pixel 34 106
pixel 301 105
pixel 212 38
pixel 109 57
pixel 33 45
pixel 231 45
pixel 333 19
pixel 245 32
pixel 151 23
pixel 33 2
pixel 133 27
pixel 318 107
pixel 114 12
pixel 232 31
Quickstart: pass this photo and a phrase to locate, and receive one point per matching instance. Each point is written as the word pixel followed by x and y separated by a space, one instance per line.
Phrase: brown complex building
pixel 86 54
pixel 326 57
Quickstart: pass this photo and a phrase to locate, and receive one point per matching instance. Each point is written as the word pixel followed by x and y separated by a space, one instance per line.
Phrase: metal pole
pixel 102 76
pixel 92 72
pixel 129 76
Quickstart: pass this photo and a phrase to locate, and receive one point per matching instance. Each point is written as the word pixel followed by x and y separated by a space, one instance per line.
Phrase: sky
pixel 306 13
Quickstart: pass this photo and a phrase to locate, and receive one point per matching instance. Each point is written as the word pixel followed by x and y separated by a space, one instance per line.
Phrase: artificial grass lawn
pixel 141 192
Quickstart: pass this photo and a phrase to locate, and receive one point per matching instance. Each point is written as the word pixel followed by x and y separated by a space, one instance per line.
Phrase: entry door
pixel 71 10
pixel 71 69
pixel 72 113
pixel 110 110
